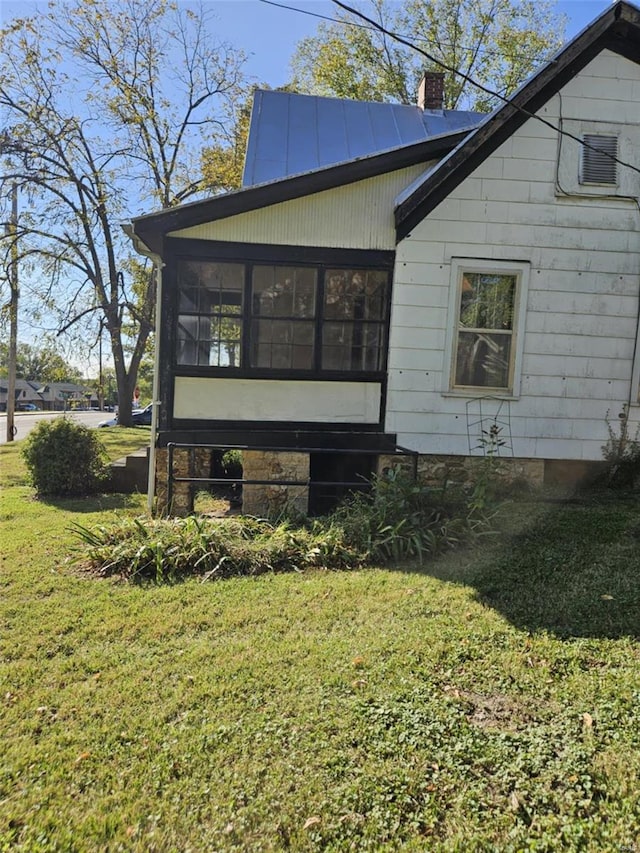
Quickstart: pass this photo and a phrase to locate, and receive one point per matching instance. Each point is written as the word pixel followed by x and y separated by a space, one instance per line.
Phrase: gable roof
pixel 618 29
pixel 151 228
pixel 290 134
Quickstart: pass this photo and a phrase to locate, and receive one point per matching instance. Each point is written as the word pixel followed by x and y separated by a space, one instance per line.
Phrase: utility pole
pixel 12 233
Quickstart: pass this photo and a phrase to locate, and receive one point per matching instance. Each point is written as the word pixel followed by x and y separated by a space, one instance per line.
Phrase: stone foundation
pixel 272 500
pixel 195 462
pixel 436 470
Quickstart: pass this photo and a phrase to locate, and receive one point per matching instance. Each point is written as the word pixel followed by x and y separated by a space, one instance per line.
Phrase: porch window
pixel 486 312
pixel 283 302
pixel 355 307
pixel 282 317
pixel 210 313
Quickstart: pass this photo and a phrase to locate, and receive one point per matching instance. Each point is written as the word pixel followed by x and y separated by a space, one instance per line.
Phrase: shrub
pixel 232 464
pixel 64 458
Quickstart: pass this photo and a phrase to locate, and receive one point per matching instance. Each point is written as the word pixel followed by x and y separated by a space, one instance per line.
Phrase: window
pixel 256 316
pixel 488 299
pixel 597 163
pixel 210 313
pixel 355 310
pixel 283 302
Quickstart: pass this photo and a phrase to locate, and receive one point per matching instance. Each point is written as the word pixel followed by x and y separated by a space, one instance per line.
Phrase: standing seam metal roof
pixel 291 134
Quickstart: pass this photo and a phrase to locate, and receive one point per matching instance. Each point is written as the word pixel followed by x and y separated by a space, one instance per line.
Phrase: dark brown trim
pixel 618 29
pixel 270 435
pixel 152 228
pixel 180 249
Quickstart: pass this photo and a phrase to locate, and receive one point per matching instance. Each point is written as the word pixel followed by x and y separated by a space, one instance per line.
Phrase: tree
pixel 496 42
pixel 222 164
pixel 39 363
pixel 105 109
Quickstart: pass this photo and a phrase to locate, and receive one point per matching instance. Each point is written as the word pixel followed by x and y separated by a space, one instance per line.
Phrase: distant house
pixel 393 276
pixel 59 396
pixel 26 394
pixel 51 396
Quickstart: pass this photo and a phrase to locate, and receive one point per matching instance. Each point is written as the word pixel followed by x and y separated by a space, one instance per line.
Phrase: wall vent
pixel 597 165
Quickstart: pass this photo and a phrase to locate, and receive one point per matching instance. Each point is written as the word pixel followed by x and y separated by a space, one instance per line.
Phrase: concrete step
pixel 130 474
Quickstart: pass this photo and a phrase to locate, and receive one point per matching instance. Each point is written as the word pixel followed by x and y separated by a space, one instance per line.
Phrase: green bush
pixel 64 458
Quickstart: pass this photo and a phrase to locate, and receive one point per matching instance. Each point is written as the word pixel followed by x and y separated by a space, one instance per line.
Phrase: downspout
pixel 158 263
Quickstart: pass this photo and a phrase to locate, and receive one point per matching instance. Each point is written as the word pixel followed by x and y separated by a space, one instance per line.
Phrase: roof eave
pixel 610 30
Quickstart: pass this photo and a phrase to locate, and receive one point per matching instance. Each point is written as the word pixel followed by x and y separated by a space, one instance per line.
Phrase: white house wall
pixel 584 278
pixel 355 216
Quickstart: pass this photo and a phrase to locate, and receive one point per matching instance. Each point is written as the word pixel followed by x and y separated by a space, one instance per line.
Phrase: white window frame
pixel 460 266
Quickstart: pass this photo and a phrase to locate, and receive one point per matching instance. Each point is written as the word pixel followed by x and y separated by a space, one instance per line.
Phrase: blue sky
pixel 269 34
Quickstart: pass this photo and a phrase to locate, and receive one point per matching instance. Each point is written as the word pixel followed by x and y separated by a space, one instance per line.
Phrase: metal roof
pixel 291 134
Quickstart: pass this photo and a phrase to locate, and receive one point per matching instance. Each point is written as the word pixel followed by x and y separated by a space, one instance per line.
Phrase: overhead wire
pixel 356 25
pixel 467 78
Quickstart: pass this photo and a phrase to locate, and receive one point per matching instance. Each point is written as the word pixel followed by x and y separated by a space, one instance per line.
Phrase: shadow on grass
pixel 93 503
pixel 574 571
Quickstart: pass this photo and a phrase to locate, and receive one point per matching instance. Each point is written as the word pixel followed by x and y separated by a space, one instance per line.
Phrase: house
pixel 60 396
pixel 26 394
pixel 450 285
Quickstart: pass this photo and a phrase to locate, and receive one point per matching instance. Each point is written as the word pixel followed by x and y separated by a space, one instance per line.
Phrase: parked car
pixel 27 407
pixel 140 417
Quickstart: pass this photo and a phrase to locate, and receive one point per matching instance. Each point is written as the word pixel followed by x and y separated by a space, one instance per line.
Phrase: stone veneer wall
pixel 437 470
pixel 194 462
pixel 433 470
pixel 274 465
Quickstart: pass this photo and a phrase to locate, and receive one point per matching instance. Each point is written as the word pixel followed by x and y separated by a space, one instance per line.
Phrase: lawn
pixel 487 701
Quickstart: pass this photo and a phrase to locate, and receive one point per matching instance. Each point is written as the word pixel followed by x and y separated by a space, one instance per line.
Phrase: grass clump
pixel 163 550
pixel 64 458
pixel 399 520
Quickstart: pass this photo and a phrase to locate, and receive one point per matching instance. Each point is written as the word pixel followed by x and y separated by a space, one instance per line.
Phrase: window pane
pixel 226 334
pixel 284 291
pixel 482 360
pixel 487 301
pixel 193 340
pixel 355 294
pixel 352 346
pixel 210 288
pixel 209 341
pixel 283 344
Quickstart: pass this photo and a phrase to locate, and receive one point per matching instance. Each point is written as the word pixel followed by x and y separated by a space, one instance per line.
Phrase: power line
pixel 482 87
pixel 356 25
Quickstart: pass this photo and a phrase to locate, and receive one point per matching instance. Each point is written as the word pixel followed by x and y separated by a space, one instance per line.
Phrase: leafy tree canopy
pixel 39 363
pixel 496 42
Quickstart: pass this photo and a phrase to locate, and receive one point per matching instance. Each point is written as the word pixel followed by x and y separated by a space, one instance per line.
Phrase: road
pixel 25 421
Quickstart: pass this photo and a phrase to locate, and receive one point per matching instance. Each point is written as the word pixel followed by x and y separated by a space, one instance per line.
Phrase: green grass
pixel 488 701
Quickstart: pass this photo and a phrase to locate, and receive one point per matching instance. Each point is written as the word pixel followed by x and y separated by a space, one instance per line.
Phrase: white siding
pixel 584 256
pixel 276 400
pixel 356 216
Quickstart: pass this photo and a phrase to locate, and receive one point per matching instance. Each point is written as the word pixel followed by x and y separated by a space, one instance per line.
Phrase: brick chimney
pixel 431 91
